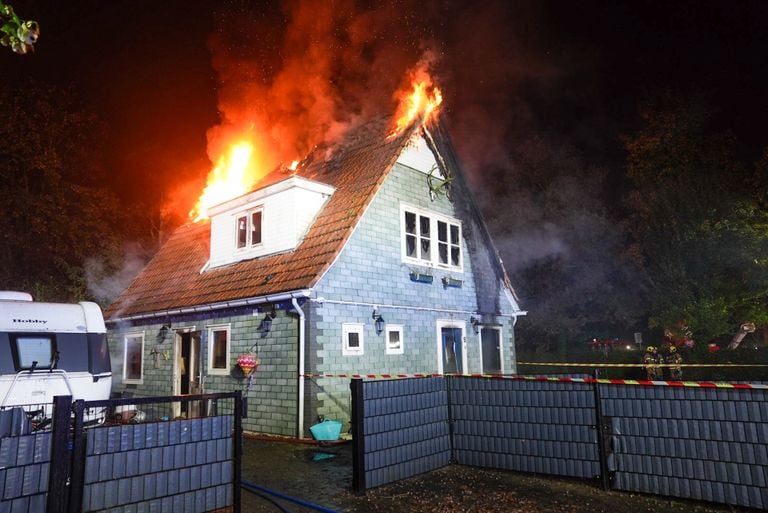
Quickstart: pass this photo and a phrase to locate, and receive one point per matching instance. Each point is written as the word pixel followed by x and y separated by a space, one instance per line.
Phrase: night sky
pixel 576 70
pixel 163 75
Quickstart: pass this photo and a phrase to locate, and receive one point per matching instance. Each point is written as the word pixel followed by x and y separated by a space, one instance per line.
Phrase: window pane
pixel 454 234
pixel 353 340
pixel 133 358
pixel 256 228
pixel 442 231
pixel 424 226
pixel 219 353
pixel 455 256
pixel 242 233
pixel 34 349
pixel 410 246
pixel 442 250
pixel 394 340
pixel 425 250
pixel 410 222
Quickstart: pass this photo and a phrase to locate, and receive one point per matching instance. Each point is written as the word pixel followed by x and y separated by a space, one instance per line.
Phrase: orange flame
pixel 417 103
pixel 233 176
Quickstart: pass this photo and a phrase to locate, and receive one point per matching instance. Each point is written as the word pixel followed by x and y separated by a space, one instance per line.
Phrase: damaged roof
pixel 173 279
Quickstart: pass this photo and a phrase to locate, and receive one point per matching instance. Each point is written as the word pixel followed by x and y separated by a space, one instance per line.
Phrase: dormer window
pixel 249 229
pixel 240 231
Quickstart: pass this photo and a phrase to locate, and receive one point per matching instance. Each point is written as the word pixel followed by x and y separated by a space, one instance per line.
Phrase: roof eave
pixel 251 301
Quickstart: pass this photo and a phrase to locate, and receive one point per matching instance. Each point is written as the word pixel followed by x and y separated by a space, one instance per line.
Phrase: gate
pixel 147 463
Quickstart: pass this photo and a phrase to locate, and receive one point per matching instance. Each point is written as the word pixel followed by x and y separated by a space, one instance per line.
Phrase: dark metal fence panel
pixel 405 428
pixel 696 443
pixel 24 463
pixel 529 426
pixel 182 465
pixel 24 467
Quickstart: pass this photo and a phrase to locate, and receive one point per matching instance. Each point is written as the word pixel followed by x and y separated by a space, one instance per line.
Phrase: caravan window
pixel 33 351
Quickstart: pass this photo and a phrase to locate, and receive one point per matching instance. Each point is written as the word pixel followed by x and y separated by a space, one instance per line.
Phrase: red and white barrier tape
pixel 602 381
pixel 557 364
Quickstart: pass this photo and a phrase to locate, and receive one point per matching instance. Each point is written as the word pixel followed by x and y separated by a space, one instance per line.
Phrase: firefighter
pixel 675 359
pixel 651 363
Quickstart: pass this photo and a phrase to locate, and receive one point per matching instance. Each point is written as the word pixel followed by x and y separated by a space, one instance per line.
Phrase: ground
pixel 322 475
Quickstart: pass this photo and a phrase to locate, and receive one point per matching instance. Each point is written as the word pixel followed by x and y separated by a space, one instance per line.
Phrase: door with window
pixel 491 350
pixel 187 371
pixel 451 347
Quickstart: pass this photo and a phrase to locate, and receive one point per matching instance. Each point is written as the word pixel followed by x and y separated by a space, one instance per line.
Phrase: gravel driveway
pixel 322 475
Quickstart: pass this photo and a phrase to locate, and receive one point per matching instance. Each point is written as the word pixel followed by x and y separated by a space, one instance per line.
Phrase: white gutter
pixel 300 415
pixel 216 306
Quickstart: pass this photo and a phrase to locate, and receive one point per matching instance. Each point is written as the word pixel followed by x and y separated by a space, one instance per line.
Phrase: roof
pixel 173 278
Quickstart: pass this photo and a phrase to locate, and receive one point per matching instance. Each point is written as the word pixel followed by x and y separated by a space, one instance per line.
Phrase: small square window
pixel 218 350
pixel 133 359
pixel 352 339
pixel 395 339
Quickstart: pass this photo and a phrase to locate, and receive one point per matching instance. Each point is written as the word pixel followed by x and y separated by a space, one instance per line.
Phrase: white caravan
pixel 50 349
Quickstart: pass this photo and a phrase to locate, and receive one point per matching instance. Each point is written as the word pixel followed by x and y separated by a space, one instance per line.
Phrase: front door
pixel 187 373
pixel 452 349
pixel 490 343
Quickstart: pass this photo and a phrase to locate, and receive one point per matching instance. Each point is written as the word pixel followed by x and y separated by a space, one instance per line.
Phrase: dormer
pixel 270 220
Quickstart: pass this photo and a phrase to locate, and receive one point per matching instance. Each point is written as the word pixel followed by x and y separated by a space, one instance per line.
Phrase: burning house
pixel 367 257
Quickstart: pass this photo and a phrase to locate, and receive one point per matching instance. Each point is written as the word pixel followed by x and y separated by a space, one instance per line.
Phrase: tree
pixel 697 223
pixel 55 211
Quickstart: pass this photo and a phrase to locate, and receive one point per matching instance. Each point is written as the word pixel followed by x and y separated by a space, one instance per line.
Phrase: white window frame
pixel 434 257
pixel 346 329
pixel 448 323
pixel 248 215
pixel 399 329
pixel 211 329
pixel 126 379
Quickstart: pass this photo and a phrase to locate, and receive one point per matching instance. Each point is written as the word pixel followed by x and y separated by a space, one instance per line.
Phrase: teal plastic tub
pixel 326 431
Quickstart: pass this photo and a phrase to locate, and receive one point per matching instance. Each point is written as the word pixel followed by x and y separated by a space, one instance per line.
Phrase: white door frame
pixel 451 323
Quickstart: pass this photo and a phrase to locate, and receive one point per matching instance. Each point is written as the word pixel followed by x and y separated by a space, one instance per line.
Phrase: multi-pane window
pixel 423 231
pixel 218 350
pixel 133 353
pixel 352 339
pixel 249 229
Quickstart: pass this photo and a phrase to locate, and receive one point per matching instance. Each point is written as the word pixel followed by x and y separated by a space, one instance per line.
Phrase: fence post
pixel 237 452
pixel 358 436
pixel 600 429
pixel 58 476
pixel 78 458
pixel 449 405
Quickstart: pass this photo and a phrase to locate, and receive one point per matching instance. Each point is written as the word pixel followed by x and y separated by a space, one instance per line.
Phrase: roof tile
pixel 173 278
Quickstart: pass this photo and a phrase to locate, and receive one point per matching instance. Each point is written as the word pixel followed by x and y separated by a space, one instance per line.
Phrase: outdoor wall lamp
pixel 378 321
pixel 475 322
pixel 163 332
pixel 266 322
